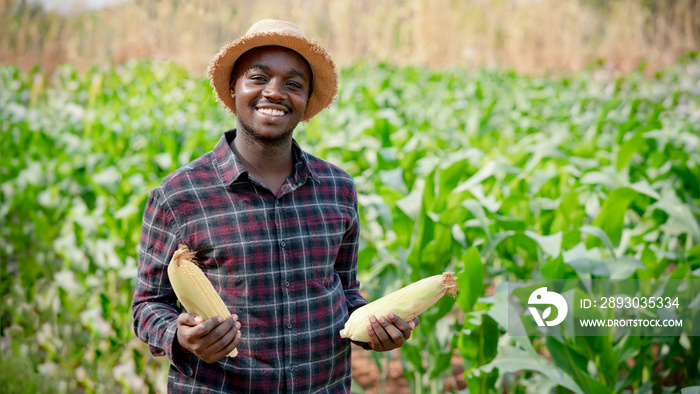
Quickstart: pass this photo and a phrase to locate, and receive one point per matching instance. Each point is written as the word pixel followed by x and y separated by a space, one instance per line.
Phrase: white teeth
pixel 270 111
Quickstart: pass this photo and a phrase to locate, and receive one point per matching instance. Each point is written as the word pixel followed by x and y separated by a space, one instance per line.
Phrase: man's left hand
pixel 389 333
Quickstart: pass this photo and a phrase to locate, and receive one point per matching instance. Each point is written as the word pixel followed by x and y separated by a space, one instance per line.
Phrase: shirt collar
pixel 231 169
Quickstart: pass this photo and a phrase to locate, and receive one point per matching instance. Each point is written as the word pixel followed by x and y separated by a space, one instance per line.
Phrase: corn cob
pixel 406 303
pixel 193 289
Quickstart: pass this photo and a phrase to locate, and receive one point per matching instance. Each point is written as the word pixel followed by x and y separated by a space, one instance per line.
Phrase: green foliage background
pixel 490 174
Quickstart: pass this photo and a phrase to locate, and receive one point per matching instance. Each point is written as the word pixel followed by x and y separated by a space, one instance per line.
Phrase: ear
pixel 232 87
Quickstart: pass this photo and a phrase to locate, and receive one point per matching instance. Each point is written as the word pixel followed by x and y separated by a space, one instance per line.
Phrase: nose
pixel 274 90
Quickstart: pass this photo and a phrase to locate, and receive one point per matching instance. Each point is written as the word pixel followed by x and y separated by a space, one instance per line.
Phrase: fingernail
pixel 197 319
pixel 390 315
pixel 372 319
pixel 235 317
pixel 220 319
pixel 411 325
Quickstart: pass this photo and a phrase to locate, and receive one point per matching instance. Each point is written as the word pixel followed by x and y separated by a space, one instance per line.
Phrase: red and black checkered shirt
pixel 285 264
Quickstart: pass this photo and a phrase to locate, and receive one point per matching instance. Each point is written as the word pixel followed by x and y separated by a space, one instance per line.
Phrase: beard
pixel 275 142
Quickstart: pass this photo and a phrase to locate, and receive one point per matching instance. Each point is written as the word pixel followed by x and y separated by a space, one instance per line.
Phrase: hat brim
pixel 325 77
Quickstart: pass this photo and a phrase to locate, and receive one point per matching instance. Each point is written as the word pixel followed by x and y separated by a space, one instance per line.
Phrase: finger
pixel 227 343
pixel 226 350
pixel 400 324
pixel 222 328
pixel 374 340
pixel 396 336
pixel 233 345
pixel 223 335
pixel 189 319
pixel 203 329
pixel 203 336
pixel 383 339
pixel 415 323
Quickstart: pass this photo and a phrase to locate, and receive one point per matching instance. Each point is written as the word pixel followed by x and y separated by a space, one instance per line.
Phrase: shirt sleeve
pixel 346 262
pixel 154 308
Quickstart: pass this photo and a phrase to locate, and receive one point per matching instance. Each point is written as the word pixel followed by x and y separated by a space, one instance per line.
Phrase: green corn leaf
pixel 470 280
pixel 612 214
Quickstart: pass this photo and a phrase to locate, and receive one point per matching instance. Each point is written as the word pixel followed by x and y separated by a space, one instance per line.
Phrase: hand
pixel 389 333
pixel 211 340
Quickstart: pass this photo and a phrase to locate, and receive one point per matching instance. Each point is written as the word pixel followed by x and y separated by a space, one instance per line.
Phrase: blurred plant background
pixel 503 140
pixel 530 36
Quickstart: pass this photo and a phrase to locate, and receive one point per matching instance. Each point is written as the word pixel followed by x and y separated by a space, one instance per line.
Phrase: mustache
pixel 261 101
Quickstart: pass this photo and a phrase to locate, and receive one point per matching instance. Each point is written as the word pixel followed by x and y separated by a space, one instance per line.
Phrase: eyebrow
pixel 267 68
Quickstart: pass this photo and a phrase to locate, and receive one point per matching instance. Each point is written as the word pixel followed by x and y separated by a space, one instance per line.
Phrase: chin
pixel 275 137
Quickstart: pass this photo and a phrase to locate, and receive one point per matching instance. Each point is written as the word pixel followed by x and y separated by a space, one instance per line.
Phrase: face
pixel 271 87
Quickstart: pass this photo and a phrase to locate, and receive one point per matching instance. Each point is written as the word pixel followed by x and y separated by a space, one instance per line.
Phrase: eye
pixel 258 77
pixel 294 85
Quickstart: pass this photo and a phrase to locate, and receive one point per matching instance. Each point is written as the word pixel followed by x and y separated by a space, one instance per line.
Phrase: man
pixel 275 229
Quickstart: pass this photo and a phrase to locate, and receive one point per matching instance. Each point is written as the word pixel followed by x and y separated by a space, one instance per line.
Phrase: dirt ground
pixel 366 374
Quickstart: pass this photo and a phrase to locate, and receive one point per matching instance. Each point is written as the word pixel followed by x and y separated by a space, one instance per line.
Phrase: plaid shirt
pixel 285 264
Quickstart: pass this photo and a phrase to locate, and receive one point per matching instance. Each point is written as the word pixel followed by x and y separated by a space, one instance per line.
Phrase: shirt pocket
pixel 322 243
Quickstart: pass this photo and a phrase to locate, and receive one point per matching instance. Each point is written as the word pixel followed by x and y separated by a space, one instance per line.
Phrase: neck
pixel 264 159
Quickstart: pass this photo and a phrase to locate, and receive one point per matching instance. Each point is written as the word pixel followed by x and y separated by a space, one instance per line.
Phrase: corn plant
pixel 496 176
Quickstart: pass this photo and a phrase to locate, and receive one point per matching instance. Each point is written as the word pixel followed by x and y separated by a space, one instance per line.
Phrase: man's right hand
pixel 210 340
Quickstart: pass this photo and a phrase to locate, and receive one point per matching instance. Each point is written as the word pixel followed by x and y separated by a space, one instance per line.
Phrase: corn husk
pixel 193 288
pixel 406 303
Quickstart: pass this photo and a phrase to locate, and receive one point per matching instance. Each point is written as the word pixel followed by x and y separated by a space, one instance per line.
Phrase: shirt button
pixel 289 326
pixel 286 283
pixel 283 244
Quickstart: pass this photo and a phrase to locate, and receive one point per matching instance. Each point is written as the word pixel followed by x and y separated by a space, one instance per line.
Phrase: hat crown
pixel 275 26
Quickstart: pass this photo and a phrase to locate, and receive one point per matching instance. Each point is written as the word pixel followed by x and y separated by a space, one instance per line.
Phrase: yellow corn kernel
pixel 406 303
pixel 193 289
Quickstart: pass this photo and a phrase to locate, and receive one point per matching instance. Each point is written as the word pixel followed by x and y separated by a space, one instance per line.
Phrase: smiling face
pixel 271 86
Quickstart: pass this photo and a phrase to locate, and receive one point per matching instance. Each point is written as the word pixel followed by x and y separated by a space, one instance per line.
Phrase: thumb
pixel 189 319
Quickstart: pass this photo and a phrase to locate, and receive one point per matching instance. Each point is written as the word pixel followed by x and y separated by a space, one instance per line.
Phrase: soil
pixel 367 375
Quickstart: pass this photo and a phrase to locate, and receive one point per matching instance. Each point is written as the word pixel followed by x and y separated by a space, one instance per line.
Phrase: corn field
pixel 491 174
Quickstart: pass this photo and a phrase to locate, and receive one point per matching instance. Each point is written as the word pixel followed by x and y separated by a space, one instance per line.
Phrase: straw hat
pixel 276 33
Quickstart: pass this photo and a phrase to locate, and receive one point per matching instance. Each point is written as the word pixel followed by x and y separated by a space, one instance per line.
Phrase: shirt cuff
pixel 364 345
pixel 355 303
pixel 178 358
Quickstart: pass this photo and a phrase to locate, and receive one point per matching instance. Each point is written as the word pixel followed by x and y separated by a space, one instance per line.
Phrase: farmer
pixel 275 229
